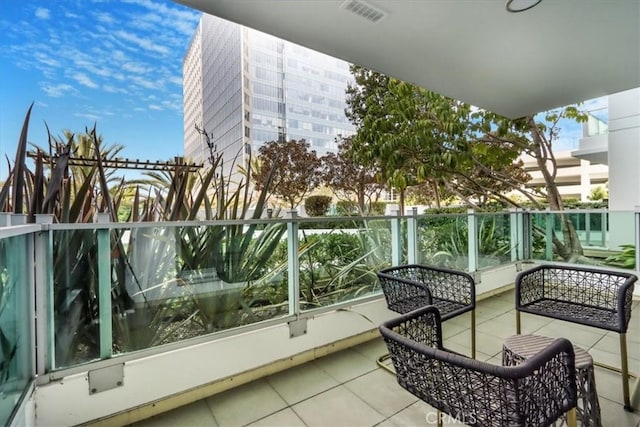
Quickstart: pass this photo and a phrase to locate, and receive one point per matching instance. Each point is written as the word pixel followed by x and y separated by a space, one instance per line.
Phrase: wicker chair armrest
pixel 423 325
pixel 399 288
pixel 446 283
pixel 443 283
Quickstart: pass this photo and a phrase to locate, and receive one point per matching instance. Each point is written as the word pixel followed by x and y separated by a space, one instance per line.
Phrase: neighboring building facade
pixel 575 177
pixel 245 88
pixel 619 148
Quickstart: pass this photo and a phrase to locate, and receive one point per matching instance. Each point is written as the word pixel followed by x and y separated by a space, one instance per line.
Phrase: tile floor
pixel 348 388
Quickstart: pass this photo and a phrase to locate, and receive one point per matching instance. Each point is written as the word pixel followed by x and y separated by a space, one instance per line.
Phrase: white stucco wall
pixel 624 164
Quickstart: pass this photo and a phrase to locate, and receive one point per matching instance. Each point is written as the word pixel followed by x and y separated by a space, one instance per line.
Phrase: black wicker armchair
pixel 535 393
pixel 588 296
pixel 409 287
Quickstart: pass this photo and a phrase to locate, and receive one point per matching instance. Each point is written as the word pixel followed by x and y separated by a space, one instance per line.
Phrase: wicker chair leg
pixel 383 365
pixel 473 334
pixel 518 324
pixel 624 367
pixel 572 419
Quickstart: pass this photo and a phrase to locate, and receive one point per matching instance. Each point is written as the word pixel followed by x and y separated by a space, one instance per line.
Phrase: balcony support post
pixel 43 286
pixel 104 287
pixel 549 223
pixel 293 266
pixel 396 240
pixel 472 236
pixel 412 237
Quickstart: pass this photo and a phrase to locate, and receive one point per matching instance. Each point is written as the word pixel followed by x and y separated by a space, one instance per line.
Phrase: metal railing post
pixel 104 287
pixel 396 240
pixel 604 228
pixel 549 223
pixel 472 236
pixel 43 288
pixel 293 262
pixel 412 237
pixel 516 231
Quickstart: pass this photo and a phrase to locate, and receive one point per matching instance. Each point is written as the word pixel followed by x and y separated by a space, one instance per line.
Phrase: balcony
pixel 348 388
pixel 113 323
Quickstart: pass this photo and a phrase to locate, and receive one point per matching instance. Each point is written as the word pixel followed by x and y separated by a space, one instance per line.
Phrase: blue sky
pixel 116 63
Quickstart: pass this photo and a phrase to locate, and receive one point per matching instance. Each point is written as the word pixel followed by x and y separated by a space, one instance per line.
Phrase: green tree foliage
pixel 294 170
pixel 418 136
pixel 317 205
pixel 349 179
pixel 598 194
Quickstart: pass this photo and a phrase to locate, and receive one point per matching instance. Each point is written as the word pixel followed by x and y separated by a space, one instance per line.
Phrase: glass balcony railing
pixel 16 322
pixel 105 290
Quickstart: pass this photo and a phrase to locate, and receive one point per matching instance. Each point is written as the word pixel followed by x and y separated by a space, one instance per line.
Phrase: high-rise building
pixel 245 87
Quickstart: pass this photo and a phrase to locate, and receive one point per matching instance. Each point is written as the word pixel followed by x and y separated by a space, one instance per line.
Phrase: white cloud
pixel 43 13
pixel 155 107
pixel 146 83
pixel 56 91
pixel 135 67
pixel 84 80
pixel 105 18
pixel 113 89
pixel 87 116
pixel 144 43
pixel 46 59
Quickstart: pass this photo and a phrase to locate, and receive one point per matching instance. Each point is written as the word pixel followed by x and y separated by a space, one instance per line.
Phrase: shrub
pixel 346 208
pixel 317 205
pixel 377 208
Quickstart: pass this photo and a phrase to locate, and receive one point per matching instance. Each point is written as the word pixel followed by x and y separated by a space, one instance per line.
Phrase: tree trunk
pixel 570 248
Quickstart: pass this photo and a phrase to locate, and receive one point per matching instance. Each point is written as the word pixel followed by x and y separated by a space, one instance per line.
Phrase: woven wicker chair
pixel 535 393
pixel 593 297
pixel 409 287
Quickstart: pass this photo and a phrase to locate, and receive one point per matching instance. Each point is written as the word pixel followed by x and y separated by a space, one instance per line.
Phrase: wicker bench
pixel 593 297
pixel 408 287
pixel 537 392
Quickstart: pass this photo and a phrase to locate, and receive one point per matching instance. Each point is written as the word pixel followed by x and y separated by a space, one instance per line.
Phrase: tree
pixel 348 179
pixel 295 170
pixel 420 136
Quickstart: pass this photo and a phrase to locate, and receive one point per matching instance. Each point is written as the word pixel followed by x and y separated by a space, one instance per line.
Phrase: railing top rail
pixel 19 230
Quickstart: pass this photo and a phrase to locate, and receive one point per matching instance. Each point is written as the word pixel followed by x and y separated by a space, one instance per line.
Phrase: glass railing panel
pixel 443 240
pixel 339 259
pixel 495 247
pixel 621 239
pixel 16 339
pixel 593 237
pixel 75 297
pixel 191 281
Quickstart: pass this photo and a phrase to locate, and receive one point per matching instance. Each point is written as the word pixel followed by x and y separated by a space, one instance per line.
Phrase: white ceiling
pixel 559 52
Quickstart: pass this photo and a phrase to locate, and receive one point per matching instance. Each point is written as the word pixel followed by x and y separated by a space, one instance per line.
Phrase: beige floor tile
pixel 418 414
pixel 346 365
pixel 283 418
pixel 372 349
pixel 245 404
pixel 613 414
pixel 194 414
pixel 585 338
pixel 485 343
pixel 336 408
pixel 609 384
pixel 382 392
pixel 301 382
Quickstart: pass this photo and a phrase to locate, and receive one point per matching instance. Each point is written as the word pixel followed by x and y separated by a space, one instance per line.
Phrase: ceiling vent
pixel 365 10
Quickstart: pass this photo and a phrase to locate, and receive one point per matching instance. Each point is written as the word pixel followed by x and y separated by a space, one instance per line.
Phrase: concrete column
pixel 624 158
